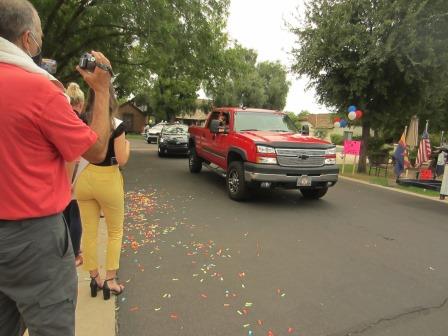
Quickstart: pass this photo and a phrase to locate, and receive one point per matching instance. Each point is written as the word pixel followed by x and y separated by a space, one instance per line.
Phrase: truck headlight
pixel 162 140
pixel 265 150
pixel 330 156
pixel 331 151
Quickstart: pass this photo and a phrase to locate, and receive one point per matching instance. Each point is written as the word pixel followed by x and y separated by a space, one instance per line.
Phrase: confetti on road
pixel 151 224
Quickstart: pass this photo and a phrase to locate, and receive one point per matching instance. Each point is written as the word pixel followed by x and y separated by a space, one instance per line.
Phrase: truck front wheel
pixel 194 161
pixel 313 193
pixel 236 184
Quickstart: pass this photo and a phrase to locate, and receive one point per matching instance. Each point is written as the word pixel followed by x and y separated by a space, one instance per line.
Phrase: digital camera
pixel 87 62
pixel 49 65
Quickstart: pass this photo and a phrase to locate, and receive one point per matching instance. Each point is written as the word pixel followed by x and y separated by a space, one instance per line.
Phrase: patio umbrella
pixel 412 136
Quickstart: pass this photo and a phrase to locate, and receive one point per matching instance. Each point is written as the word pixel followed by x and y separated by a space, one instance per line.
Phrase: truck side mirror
pixel 214 126
pixel 305 130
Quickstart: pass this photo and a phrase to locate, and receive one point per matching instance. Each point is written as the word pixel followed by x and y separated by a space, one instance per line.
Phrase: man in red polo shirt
pixel 40 132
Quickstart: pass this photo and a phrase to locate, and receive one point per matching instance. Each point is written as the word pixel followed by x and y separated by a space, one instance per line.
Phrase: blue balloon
pixel 343 123
pixel 352 108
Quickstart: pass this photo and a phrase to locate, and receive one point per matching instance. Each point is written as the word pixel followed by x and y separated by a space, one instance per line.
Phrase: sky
pixel 259 25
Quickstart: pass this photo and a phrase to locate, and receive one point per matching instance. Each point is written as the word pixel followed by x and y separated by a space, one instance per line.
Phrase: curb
pixel 392 189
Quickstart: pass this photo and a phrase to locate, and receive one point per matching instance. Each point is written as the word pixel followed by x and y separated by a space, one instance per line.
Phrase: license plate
pixel 304 181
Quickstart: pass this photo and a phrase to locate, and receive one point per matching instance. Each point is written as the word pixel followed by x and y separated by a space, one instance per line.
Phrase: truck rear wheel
pixel 194 162
pixel 313 193
pixel 236 184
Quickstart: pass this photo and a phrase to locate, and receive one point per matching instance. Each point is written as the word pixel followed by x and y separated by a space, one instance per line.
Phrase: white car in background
pixel 152 134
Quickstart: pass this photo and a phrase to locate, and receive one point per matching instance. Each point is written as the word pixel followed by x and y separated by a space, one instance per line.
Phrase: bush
pixel 376 145
pixel 337 139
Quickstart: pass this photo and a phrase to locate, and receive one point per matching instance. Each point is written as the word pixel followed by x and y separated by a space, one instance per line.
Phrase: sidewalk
pixel 94 316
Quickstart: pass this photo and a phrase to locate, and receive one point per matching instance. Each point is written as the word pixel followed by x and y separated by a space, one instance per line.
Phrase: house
pixel 321 126
pixel 133 116
pixel 197 118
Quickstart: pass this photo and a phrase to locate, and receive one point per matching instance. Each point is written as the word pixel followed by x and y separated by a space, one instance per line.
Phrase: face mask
pixel 38 57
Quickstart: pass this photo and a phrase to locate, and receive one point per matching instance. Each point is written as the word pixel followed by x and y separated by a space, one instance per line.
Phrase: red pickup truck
pixel 254 148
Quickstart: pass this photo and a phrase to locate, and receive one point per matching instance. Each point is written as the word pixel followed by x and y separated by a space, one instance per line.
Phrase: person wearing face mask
pixel 38 280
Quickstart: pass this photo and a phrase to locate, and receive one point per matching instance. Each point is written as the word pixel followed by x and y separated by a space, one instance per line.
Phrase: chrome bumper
pixel 260 177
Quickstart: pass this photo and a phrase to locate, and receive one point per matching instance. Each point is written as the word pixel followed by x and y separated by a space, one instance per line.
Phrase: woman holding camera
pixel 100 188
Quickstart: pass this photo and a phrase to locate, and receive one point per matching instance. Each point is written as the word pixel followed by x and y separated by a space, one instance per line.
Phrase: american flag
pixel 424 150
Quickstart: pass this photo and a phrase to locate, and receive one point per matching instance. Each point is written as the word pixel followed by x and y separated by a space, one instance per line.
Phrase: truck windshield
pixel 264 121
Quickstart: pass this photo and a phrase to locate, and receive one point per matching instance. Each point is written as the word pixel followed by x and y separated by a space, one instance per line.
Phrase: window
pixel 264 121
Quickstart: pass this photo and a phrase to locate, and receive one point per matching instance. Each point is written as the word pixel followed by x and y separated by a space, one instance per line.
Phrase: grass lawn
pixel 420 191
pixel 388 181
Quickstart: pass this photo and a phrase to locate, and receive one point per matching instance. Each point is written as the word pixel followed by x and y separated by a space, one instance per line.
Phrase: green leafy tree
pixel 244 82
pixel 295 119
pixel 151 43
pixel 276 86
pixel 239 83
pixel 388 57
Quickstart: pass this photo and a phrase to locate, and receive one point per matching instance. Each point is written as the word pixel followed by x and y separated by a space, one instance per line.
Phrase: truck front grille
pixel 300 157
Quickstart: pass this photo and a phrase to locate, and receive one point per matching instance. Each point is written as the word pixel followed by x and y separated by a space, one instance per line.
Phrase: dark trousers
pixel 38 280
pixel 73 219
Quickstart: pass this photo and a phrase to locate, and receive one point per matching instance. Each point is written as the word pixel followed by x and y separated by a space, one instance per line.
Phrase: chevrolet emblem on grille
pixel 302 156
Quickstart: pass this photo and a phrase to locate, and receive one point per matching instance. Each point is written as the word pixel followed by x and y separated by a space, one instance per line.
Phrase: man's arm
pixel 99 82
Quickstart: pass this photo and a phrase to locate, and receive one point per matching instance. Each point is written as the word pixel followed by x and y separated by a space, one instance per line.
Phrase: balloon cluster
pixel 353 114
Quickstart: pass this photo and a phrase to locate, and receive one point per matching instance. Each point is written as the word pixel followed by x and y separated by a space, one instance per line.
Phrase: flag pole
pixel 441 138
pixel 426 127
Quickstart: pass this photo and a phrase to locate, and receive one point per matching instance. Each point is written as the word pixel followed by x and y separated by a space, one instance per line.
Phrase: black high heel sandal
pixel 94 286
pixel 107 290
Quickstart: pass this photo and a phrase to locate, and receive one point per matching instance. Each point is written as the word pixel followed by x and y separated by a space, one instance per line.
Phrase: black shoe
pixel 94 287
pixel 107 290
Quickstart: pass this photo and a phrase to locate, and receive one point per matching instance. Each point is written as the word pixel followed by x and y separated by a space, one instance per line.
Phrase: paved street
pixel 361 261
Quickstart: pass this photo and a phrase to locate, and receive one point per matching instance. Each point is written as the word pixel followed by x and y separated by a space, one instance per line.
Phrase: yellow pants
pixel 101 188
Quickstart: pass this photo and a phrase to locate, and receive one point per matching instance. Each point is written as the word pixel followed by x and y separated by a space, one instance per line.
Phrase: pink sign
pixel 352 147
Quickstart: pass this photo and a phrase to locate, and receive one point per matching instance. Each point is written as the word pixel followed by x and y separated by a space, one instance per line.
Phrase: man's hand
pixel 99 79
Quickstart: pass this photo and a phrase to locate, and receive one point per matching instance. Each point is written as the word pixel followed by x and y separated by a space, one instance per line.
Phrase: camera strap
pixel 105 67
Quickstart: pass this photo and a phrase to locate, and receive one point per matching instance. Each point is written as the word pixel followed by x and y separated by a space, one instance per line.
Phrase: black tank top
pixel 110 159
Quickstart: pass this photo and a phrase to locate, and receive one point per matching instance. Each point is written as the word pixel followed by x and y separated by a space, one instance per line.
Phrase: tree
pixel 243 81
pixel 149 42
pixel 388 57
pixel 276 86
pixel 239 83
pixel 295 119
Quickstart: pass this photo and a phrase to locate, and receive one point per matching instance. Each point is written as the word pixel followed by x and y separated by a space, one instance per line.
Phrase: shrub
pixel 337 139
